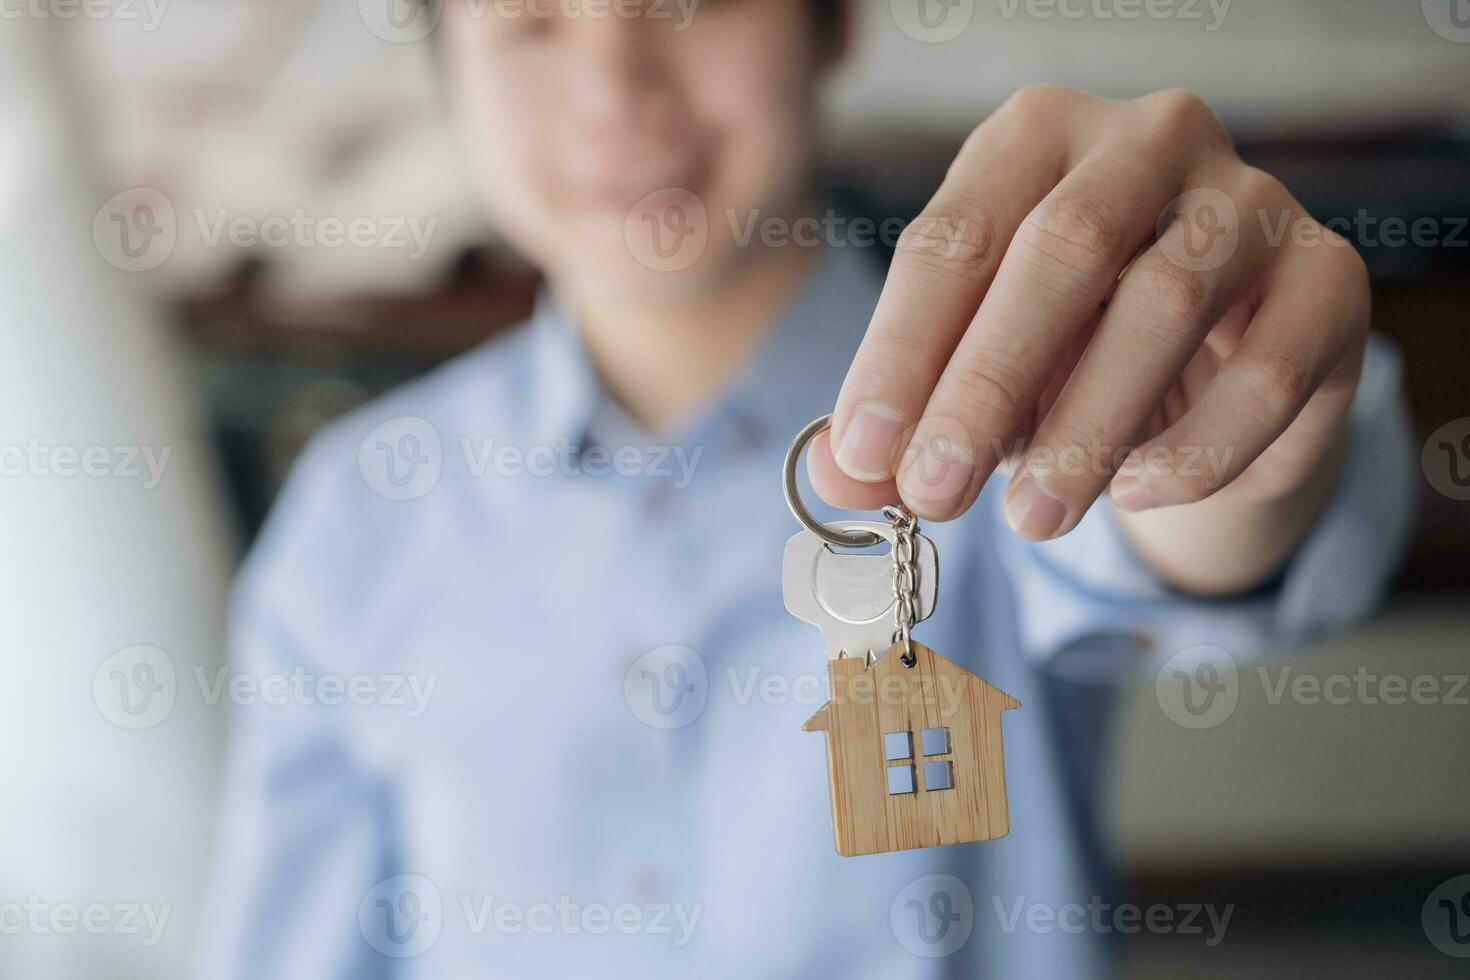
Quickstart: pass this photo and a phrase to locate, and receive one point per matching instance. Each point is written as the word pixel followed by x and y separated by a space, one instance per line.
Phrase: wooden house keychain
pixel 914 754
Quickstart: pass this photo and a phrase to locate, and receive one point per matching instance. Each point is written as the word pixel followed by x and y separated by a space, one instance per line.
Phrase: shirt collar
pixel 793 378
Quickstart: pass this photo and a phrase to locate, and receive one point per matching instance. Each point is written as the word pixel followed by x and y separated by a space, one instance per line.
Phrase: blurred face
pixel 625 145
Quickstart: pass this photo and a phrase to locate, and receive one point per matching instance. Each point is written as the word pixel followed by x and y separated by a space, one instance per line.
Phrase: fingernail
pixel 867 449
pixel 939 471
pixel 1032 512
pixel 1130 493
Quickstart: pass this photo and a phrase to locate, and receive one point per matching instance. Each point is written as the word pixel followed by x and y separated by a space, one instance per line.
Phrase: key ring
pixel 828 533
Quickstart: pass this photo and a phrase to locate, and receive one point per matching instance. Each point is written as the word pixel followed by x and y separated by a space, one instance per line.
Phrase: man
pixel 603 782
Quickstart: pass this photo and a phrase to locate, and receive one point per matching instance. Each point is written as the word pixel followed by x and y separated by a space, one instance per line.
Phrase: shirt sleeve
pixel 1090 585
pixel 306 825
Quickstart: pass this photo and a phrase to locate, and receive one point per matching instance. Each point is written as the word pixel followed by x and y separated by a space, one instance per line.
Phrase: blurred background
pixel 161 306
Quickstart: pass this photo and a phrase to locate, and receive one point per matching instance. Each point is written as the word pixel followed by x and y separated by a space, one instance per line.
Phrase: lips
pixel 615 181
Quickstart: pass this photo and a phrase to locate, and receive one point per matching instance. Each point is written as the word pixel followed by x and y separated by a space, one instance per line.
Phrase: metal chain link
pixel 905 579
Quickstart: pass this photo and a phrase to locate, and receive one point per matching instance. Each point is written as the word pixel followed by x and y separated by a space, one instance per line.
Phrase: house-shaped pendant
pixel 914 754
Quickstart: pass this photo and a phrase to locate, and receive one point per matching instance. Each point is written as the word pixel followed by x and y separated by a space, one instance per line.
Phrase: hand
pixel 1093 277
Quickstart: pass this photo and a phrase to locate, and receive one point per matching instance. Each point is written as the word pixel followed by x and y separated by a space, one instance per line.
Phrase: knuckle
pixel 1346 265
pixel 1076 230
pixel 1037 98
pixel 993 388
pixel 893 352
pixel 1263 189
pixel 1177 297
pixel 1274 385
pixel 1079 450
pixel 959 236
pixel 1176 125
pixel 1182 112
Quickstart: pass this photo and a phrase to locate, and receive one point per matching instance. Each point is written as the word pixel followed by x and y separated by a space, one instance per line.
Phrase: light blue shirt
pixel 552 700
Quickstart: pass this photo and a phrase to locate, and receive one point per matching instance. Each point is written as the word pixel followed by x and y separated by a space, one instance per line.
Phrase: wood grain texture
pixel 871 700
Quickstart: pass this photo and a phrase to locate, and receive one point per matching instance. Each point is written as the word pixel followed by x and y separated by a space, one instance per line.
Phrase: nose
pixel 619 80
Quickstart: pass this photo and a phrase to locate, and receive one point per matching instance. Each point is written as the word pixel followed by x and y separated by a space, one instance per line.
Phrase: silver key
pixel 850 596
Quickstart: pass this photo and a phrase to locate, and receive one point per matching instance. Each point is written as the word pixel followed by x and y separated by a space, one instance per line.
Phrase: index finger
pixel 944 263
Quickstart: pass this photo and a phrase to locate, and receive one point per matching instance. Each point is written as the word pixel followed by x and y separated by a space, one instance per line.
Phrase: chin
pixel 673 251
